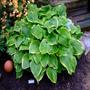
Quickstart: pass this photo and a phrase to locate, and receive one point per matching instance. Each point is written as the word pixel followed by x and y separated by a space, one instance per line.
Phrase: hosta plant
pixel 44 42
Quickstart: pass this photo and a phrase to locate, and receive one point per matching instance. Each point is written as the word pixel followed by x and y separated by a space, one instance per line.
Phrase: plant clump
pixel 11 10
pixel 44 41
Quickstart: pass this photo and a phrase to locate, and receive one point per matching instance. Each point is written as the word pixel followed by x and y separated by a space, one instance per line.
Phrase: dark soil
pixel 78 81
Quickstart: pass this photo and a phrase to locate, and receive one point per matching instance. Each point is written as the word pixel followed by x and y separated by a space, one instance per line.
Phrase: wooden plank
pixel 85 23
pixel 78 12
pixel 77 4
pixel 83 20
pixel 55 2
pixel 82 17
pixel 67 1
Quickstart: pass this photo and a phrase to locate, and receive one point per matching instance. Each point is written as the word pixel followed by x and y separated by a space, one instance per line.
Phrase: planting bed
pixel 78 81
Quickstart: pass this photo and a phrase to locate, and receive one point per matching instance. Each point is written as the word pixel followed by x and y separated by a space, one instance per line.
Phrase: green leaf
pixel 34 47
pixel 38 78
pixel 53 22
pixel 46 12
pixel 44 9
pixel 71 27
pixel 64 41
pixel 35 69
pixel 44 60
pixel 64 37
pixel 50 30
pixel 26 42
pixel 53 49
pixel 32 17
pixel 65 51
pixel 37 31
pixel 19 74
pixel 18 68
pixel 30 56
pixel 52 74
pixel 18 25
pixel 60 67
pixel 25 61
pixel 19 40
pixel 53 62
pixel 23 47
pixel 64 32
pixel 44 47
pixel 26 31
pixel 60 10
pixel 69 62
pixel 19 71
pixel 11 41
pixel 32 7
pixel 77 46
pixel 76 31
pixel 52 39
pixel 18 57
pixel 62 20
pixel 50 14
pixel 36 58
pixel 11 50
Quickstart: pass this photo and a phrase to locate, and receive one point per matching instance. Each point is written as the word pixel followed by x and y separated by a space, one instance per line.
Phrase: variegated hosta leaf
pixel 69 62
pixel 34 47
pixel 25 61
pixel 52 74
pixel 77 46
pixel 35 69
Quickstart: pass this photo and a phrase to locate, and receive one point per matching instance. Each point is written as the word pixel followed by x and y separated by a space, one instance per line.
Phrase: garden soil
pixel 80 80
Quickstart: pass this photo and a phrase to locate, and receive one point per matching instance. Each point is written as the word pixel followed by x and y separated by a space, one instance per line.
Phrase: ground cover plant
pixel 44 42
